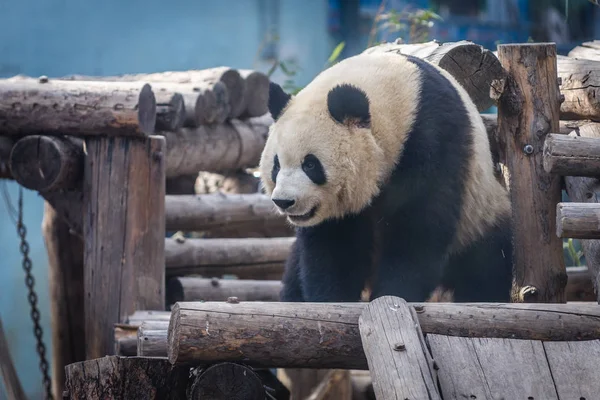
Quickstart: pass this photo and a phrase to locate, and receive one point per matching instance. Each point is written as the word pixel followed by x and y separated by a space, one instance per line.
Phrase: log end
pixel 223 105
pixel 147 110
pixel 173 335
pixel 236 87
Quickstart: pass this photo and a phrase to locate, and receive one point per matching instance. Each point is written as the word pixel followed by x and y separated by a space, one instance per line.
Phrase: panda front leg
pixel 292 289
pixel 334 259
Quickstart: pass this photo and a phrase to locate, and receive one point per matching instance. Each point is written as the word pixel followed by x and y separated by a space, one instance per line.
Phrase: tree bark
pixel 326 335
pixel 571 155
pixel 225 381
pixel 580 87
pixel 55 107
pixel 204 289
pixel 256 94
pixel 124 234
pixel 587 50
pixel 65 264
pixel 115 377
pixel 48 163
pixel 587 190
pixel 152 339
pixel 528 110
pixel 215 148
pixel 578 220
pixel 473 66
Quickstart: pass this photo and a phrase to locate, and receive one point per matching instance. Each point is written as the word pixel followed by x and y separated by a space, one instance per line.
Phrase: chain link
pixel 32 297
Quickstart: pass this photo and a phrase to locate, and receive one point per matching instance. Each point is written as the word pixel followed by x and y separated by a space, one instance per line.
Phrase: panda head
pixel 320 160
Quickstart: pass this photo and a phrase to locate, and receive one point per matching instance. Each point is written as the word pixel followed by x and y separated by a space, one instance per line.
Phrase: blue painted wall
pixel 61 37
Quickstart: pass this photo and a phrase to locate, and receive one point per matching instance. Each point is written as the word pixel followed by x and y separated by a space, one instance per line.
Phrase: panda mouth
pixel 303 217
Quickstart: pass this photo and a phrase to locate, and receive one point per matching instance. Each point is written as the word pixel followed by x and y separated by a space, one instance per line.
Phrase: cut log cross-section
pixel 570 155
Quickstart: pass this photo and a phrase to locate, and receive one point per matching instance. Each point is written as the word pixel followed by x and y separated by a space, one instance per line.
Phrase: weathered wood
pixel 325 335
pixel 256 94
pixel 225 381
pixel 390 337
pixel 484 368
pixel 140 316
pixel 528 110
pixel 204 289
pixel 335 385
pixel 6 145
pixel 263 271
pixel 473 66
pixel 217 103
pixel 152 339
pixel 229 146
pixel 203 212
pixel 568 155
pixel 10 379
pixel 580 86
pixel 170 110
pixel 55 107
pixel 124 230
pixel 587 50
pixel 248 251
pixel 580 286
pixel 47 163
pixel 574 367
pixel 587 190
pixel 65 283
pixel 578 220
pixel 116 377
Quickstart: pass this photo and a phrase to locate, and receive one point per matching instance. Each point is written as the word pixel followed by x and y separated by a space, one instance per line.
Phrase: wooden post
pixel 65 264
pixel 527 111
pixel 124 228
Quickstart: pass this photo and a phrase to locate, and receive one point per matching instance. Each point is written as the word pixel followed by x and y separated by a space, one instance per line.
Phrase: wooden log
pixel 587 190
pixel 326 335
pixel 572 155
pixel 55 107
pixel 580 286
pixel 12 384
pixel 473 66
pixel 230 146
pixel 65 281
pixel 204 289
pixel 390 335
pixel 170 111
pixel 587 50
pixel 226 381
pixel 580 86
pixel 190 252
pixel 114 377
pixel 261 271
pixel 47 163
pixel 6 145
pixel 526 114
pixel 201 212
pixel 140 316
pixel 124 230
pixel 152 339
pixel 256 93
pixel 578 220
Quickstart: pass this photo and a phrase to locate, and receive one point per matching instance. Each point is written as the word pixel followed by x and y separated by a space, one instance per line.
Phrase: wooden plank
pixel 395 351
pixel 578 220
pixel 575 367
pixel 124 229
pixel 568 155
pixel 484 368
pixel 527 111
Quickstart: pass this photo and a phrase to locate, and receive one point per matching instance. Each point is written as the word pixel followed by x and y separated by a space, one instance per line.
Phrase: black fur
pixel 407 229
pixel 278 99
pixel 275 169
pixel 347 103
pixel 313 168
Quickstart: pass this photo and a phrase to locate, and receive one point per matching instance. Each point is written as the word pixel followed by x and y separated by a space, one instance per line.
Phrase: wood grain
pixel 570 155
pixel 484 368
pixel 587 50
pixel 390 337
pixel 124 230
pixel 528 110
pixel 152 339
pixel 580 87
pixel 578 220
pixel 55 107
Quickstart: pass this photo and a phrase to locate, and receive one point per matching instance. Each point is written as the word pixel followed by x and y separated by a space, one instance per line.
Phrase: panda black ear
pixel 348 104
pixel 278 99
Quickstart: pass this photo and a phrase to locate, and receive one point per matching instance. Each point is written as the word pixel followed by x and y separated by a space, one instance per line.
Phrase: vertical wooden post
pixel 65 262
pixel 527 111
pixel 124 230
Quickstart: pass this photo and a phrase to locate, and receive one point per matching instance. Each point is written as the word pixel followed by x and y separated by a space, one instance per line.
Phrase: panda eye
pixel 309 165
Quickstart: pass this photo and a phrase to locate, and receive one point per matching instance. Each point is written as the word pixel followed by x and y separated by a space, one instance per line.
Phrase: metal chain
pixel 32 297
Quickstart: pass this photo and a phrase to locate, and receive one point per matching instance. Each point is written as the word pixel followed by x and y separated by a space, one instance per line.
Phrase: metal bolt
pixel 214 282
pixel 233 300
pixel 43 79
pixel 528 149
pixel 419 309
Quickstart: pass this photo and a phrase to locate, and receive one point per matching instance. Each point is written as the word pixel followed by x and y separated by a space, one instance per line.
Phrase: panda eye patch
pixel 275 169
pixel 313 168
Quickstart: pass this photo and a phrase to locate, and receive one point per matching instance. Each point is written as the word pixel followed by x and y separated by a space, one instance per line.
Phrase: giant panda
pixel 383 165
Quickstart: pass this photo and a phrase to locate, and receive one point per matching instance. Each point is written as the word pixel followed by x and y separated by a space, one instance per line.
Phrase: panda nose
pixel 283 203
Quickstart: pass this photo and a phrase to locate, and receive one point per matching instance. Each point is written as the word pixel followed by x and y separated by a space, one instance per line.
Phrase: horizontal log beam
pixel 262 271
pixel 571 155
pixel 578 220
pixel 55 107
pixel 326 335
pixel 151 339
pixel 204 289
